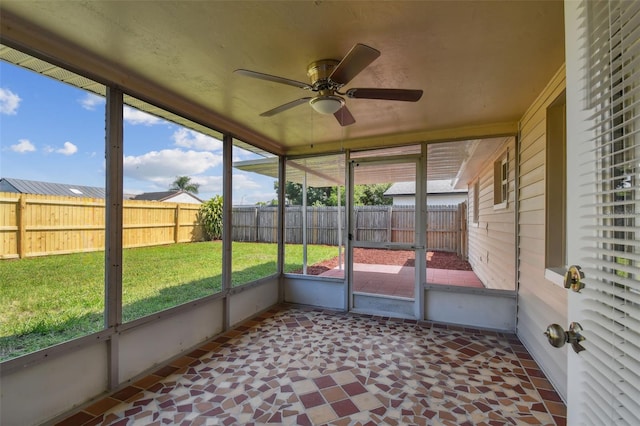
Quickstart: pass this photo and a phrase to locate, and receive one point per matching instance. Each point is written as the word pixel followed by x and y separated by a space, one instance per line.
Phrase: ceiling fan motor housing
pixel 319 72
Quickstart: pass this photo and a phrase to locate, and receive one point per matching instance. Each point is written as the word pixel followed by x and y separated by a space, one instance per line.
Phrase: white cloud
pixel 90 101
pixel 244 182
pixel 23 145
pixel 163 166
pixel 67 149
pixel 187 138
pixel 246 190
pixel 135 116
pixel 208 185
pixel 9 102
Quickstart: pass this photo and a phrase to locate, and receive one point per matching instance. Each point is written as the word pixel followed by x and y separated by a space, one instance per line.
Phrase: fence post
pixel 462 211
pixel 256 219
pixel 274 226
pixel 176 229
pixel 462 214
pixel 389 220
pixel 22 232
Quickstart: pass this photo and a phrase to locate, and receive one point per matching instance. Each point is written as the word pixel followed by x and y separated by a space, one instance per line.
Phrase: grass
pixel 49 300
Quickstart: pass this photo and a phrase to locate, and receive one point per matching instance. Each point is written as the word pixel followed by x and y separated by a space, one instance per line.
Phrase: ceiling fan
pixel 328 76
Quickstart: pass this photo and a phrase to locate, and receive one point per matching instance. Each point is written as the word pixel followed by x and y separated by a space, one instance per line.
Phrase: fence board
pixel 37 225
pixel 446 225
pixel 34 225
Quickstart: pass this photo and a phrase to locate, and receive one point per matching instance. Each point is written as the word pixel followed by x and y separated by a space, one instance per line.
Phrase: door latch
pixel 558 337
pixel 573 278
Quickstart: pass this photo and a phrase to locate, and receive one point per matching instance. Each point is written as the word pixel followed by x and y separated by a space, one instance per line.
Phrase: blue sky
pixel 54 132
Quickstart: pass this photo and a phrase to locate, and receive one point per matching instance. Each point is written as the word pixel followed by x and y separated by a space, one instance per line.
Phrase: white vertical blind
pixel 611 299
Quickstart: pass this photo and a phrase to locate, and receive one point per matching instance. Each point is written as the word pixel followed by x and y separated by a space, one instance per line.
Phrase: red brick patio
pixel 399 280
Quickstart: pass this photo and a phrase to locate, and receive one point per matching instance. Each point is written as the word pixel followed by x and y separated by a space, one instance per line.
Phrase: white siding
pixel 540 302
pixel 492 239
pixel 446 199
pixel 404 200
pixel 182 198
pixel 432 200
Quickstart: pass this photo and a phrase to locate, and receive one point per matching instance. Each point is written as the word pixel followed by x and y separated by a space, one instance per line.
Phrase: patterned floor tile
pixel 303 366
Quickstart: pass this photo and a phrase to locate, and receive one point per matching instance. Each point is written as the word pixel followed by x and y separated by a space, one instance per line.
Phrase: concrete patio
pixel 399 280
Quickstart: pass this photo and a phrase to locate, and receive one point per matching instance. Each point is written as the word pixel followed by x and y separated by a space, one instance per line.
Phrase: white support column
pixel 282 179
pixel 340 263
pixel 420 233
pixel 227 223
pixel 349 222
pixel 304 223
pixel 113 227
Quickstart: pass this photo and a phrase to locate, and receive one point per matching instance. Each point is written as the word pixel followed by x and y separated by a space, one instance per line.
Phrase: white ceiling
pixel 480 63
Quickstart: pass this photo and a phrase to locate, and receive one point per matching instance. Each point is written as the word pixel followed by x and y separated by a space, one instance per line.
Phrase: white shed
pixel 439 192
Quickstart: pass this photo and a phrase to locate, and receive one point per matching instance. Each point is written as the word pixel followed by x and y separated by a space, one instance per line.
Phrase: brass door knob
pixel 558 337
pixel 573 278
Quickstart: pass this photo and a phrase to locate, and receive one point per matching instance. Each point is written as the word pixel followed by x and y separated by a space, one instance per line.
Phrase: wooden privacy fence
pixel 37 225
pixel 446 225
pixel 260 224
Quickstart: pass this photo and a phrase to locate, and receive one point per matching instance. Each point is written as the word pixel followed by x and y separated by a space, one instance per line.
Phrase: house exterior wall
pixel 540 302
pixel 182 198
pixel 432 200
pixel 404 200
pixel 492 238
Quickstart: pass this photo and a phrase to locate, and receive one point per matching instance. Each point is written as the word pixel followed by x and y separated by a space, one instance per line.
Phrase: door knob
pixel 573 278
pixel 558 337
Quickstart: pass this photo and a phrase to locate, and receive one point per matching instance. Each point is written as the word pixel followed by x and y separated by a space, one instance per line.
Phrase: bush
pixel 210 216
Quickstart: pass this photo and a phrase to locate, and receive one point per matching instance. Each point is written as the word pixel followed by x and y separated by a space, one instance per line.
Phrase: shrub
pixel 210 216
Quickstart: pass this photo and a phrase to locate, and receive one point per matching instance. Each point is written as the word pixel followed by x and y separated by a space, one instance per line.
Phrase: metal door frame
pixel 418 246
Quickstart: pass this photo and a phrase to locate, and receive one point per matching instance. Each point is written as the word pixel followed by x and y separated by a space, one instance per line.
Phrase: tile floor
pixel 296 365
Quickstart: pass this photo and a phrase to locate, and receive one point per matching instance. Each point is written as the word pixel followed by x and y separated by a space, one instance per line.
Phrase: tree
pixel 183 183
pixel 372 195
pixel 363 195
pixel 315 196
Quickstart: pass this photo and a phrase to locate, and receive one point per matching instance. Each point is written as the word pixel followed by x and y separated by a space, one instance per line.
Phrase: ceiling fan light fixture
pixel 327 104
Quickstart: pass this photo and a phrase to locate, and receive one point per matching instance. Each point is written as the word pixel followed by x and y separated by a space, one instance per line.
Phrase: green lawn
pixel 48 300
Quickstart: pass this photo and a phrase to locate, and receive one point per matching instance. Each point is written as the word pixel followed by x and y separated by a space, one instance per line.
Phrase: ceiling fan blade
pixel 284 107
pixel 358 58
pixel 406 95
pixel 344 117
pixel 274 78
